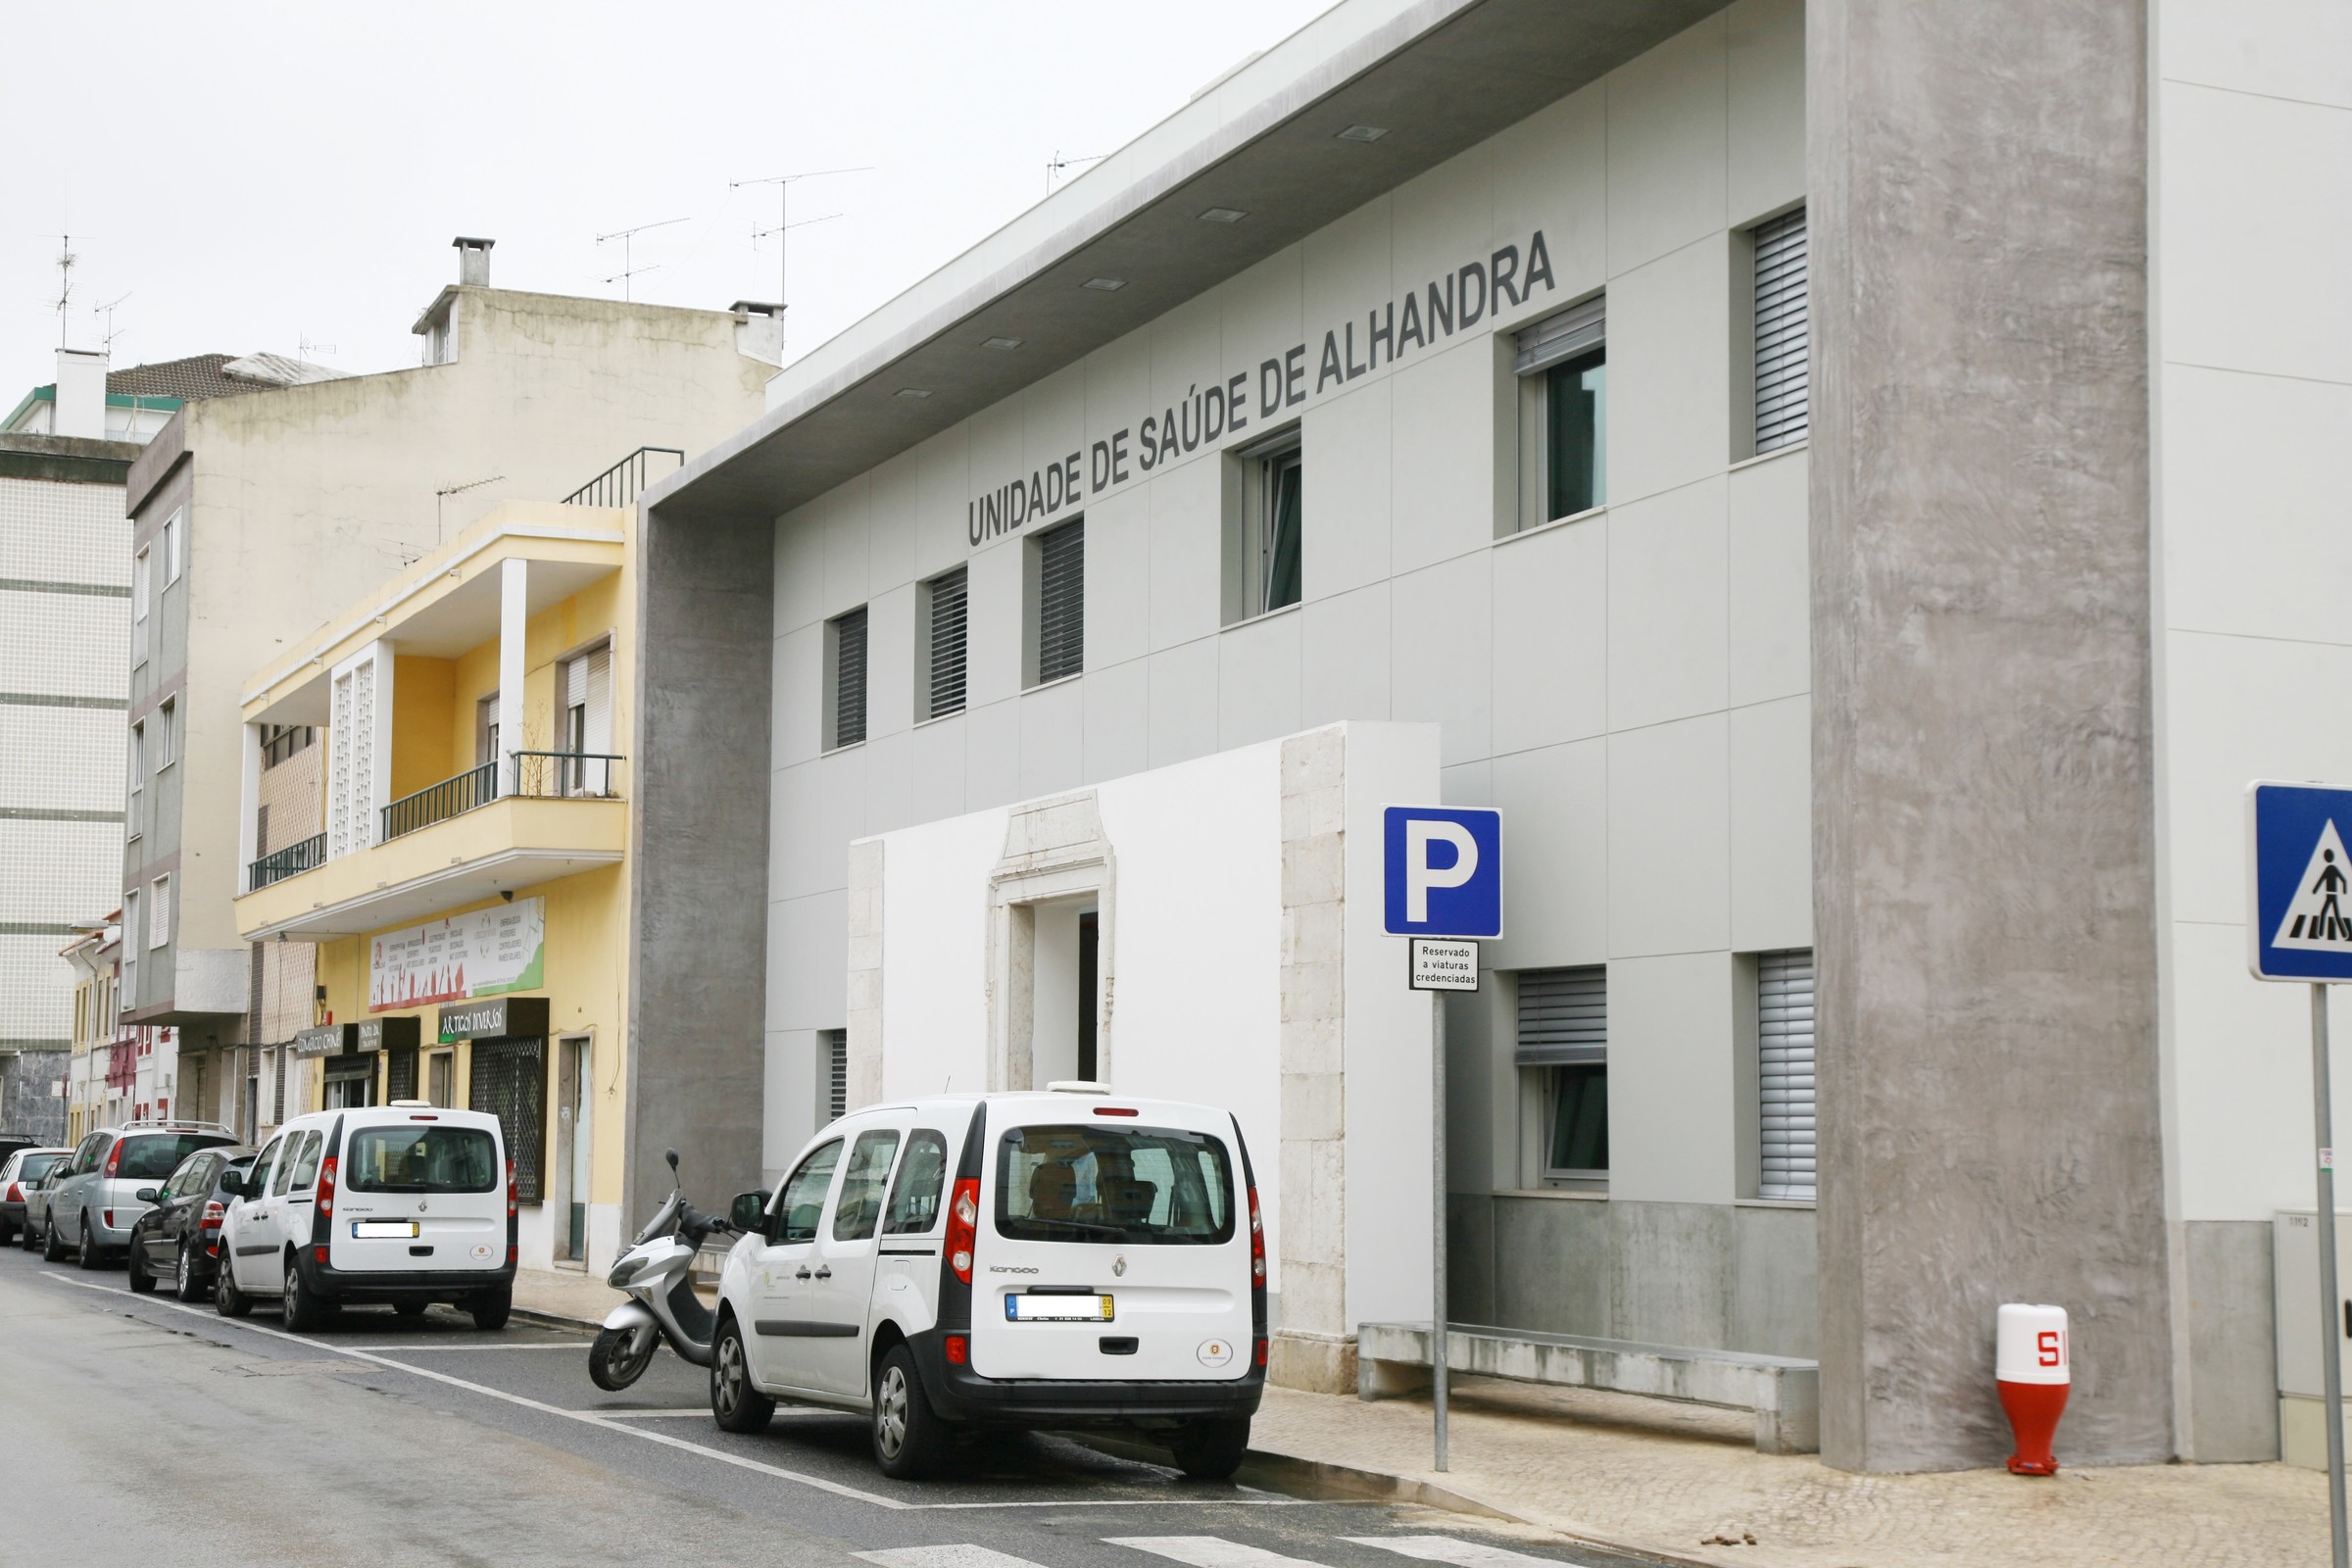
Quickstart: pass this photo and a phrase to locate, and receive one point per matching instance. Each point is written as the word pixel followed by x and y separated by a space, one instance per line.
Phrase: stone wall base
pixel 1315 1363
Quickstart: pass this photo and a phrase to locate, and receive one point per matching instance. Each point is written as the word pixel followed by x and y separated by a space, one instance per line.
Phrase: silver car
pixel 113 1180
pixel 19 1173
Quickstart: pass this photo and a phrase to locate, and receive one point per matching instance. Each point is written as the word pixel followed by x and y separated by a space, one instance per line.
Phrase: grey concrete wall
pixel 1983 819
pixel 26 1104
pixel 1710 1276
pixel 2233 1341
pixel 698 852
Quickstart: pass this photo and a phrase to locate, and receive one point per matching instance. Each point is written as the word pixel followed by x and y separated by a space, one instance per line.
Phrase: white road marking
pixel 1451 1549
pixel 943 1558
pixel 603 1421
pixel 702 1411
pixel 1207 1551
pixel 581 1345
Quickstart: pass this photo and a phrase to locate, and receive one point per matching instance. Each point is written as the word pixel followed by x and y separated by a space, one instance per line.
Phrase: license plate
pixel 383 1227
pixel 1058 1309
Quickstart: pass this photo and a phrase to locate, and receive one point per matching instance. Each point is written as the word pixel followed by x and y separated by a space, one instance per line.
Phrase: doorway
pixel 440 1074
pixel 1066 989
pixel 574 1138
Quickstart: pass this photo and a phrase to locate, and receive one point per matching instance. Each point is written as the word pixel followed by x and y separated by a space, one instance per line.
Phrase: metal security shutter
pixel 1784 1022
pixel 849 678
pixel 1061 603
pixel 399 1072
pixel 509 1080
pixel 837 1074
pixel 1782 369
pixel 1571 332
pixel 1563 1016
pixel 948 599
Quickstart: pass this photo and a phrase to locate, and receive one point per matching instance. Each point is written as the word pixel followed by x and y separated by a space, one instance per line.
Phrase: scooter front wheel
pixel 620 1356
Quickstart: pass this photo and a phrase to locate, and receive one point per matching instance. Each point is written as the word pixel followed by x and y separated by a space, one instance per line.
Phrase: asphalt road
pixel 134 1429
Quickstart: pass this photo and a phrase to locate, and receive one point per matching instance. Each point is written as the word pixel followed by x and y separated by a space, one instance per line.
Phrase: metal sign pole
pixel 1438 1337
pixel 2331 1355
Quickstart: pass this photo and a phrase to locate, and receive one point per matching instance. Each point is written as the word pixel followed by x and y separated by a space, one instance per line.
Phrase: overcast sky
pixel 263 176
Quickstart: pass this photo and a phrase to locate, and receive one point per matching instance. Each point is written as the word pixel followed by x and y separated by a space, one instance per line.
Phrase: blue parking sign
pixel 1442 872
pixel 2299 896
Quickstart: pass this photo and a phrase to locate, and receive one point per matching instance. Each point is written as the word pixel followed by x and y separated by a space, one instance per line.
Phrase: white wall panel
pixel 1556 806
pixel 1669 838
pixel 1119 719
pixel 1765 72
pixel 1053 739
pixel 1187 527
pixel 1671 1101
pixel 1551 635
pixel 1444 434
pixel 992 754
pixel 1769 581
pixel 1343 657
pixel 1184 702
pixel 1551 172
pixel 890 538
pixel 1771 750
pixel 2287 49
pixel 1666 146
pixel 1670 371
pixel 1119 578
pixel 1442 634
pixel 1348 502
pixel 1668 557
pixel 1258 679
pixel 944 488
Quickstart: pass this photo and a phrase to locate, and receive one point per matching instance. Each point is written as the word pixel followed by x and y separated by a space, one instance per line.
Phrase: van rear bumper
pixel 959 1393
pixel 452 1284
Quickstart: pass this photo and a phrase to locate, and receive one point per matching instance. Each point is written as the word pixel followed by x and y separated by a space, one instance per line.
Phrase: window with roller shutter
pixel 1785 1066
pixel 845 682
pixel 1058 601
pixel 945 603
pixel 1782 334
pixel 1564 1039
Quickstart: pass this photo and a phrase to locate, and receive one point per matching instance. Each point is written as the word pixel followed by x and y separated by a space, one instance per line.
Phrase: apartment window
pixel 165 749
pixel 158 911
pixel 845 679
pixel 171 550
pixel 1782 334
pixel 587 686
pixel 485 730
pixel 280 742
pixel 128 997
pixel 940 633
pixel 138 757
pixel 1264 537
pixel 141 571
pixel 836 1044
pixel 1055 582
pixel 1785 1073
pixel 1562 364
pixel 1563 1054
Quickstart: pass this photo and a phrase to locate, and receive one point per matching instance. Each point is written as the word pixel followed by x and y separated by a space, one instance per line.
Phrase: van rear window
pixel 1137 1186
pixel 421 1160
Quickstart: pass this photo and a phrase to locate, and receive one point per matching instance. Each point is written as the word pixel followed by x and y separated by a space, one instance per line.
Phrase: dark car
pixel 178 1238
pixel 10 1143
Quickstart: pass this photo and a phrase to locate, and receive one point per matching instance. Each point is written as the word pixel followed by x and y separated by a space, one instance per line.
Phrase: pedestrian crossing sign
pixel 2299 902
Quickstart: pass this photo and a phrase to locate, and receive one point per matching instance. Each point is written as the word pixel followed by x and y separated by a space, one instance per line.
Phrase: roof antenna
pixel 65 282
pixel 1057 164
pixel 628 239
pixel 108 310
pixel 784 222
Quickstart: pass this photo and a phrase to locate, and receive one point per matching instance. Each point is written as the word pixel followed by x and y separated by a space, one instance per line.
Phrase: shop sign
pixel 327 1041
pixel 494 1019
pixel 385 1034
pixel 479 954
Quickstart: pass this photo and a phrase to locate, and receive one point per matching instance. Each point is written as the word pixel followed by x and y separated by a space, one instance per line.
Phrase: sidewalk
pixel 574 1297
pixel 1670 1479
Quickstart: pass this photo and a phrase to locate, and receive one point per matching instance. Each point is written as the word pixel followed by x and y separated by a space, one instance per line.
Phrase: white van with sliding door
pixel 1070 1258
pixel 406 1204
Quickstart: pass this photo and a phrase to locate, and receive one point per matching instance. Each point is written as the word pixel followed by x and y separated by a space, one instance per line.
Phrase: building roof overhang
pixel 1438 77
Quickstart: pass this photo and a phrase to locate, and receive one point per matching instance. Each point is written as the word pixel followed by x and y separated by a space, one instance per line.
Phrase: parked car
pixel 10 1143
pixel 179 1237
pixel 401 1203
pixel 1056 1260
pixel 36 1202
pixel 23 1165
pixel 93 1205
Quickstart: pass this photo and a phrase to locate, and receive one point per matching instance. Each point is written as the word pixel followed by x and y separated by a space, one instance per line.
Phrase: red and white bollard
pixel 2032 1367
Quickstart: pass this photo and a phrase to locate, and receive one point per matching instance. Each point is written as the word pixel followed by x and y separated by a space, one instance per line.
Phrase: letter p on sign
pixel 1442 873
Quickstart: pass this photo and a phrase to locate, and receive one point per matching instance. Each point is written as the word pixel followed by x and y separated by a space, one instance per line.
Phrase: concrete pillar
pixel 514 622
pixel 249 805
pixel 1983 834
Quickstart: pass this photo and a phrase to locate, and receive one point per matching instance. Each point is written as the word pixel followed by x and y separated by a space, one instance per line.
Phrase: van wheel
pixel 491 1308
pixel 735 1404
pixel 227 1300
pixel 910 1438
pixel 1210 1450
pixel 303 1307
pixel 92 1254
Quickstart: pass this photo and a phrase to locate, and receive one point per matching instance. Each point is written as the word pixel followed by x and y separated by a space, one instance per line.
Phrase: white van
pixel 1058 1259
pixel 406 1203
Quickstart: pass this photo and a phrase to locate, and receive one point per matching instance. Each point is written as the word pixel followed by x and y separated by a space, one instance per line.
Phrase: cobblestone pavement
pixel 1676 1481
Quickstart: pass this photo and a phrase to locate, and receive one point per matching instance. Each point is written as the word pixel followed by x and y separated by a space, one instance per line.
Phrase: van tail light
pixel 1257 1247
pixel 326 1185
pixel 513 1252
pixel 960 1350
pixel 963 1227
pixel 511 1203
pixel 1115 1110
pixel 1261 1352
pixel 319 1254
pixel 213 1211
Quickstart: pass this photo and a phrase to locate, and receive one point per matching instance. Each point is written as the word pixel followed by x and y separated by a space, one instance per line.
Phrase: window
pixel 408 1158
pixel 306 1163
pixel 940 639
pixel 587 686
pixel 803 1199
pixel 165 748
pixel 1055 582
pixel 845 680
pixel 1563 1054
pixel 1562 364
pixel 859 1209
pixel 1140 1185
pixel 280 742
pixel 140 571
pixel 1785 1073
pixel 1264 504
pixel 171 550
pixel 485 730
pixel 836 1086
pixel 130 949
pixel 1782 334
pixel 138 757
pixel 159 912
pixel 923 1177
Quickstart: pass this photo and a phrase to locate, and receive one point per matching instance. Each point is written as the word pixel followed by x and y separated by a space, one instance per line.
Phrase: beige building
pixel 254 518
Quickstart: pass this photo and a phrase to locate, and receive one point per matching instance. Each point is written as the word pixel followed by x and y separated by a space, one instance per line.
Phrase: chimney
pixel 80 394
pixel 473 261
pixel 759 331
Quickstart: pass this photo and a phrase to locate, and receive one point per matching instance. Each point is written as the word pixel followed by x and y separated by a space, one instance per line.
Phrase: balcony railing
pixel 622 483
pixel 438 803
pixel 292 861
pixel 568 775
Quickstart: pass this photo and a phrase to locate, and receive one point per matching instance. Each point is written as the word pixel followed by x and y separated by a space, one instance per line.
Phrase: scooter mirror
pixel 673 1157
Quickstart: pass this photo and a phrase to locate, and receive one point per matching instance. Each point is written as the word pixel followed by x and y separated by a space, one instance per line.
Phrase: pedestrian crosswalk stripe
pixel 943 1558
pixel 1207 1551
pixel 1451 1549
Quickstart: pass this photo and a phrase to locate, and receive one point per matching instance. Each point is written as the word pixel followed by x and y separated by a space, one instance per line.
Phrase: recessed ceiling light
pixel 1107 285
pixel 999 342
pixel 1223 215
pixel 914 394
pixel 1363 133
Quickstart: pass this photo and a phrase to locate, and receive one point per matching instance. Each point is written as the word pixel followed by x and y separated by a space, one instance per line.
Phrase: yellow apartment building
pixel 467 881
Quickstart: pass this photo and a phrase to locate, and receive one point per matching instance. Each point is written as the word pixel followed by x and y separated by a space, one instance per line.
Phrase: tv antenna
pixel 628 240
pixel 1057 164
pixel 441 495
pixel 65 282
pixel 784 222
pixel 108 310
pixel 304 348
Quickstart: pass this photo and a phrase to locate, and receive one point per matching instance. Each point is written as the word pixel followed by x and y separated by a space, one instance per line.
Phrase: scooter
pixel 658 1274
